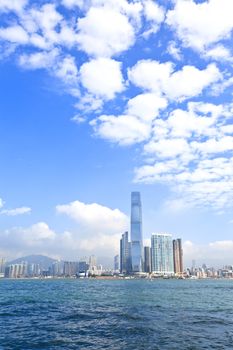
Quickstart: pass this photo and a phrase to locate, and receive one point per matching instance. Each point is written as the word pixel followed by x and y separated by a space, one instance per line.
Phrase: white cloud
pixel 160 78
pixel 15 34
pixel 46 19
pixel 167 147
pixel 146 106
pixel 190 81
pixel 104 32
pixel 174 50
pixel 192 152
pixel 98 232
pixel 89 103
pixel 201 24
pixel 41 239
pixel 219 53
pixel 150 75
pixel 42 59
pixel 123 129
pixel 64 68
pixel 38 234
pixel 102 77
pixel 135 125
pixel 153 11
pixel 67 70
pixel 78 119
pixel 217 253
pixel 16 211
pixel 154 14
pixel 12 5
pixel 1 203
pixel 73 3
pixel 214 145
pixel 96 217
pixel 218 88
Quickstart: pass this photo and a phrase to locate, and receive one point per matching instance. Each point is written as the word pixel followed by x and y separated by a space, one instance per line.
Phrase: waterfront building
pixel 57 268
pixel 16 270
pixel 125 253
pixel 178 256
pixel 83 266
pixel 116 263
pixel 92 262
pixel 136 233
pixel 2 265
pixel 147 259
pixel 162 254
pixel 70 268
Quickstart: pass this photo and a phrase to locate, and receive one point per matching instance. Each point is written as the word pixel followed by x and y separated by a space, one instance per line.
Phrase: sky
pixel 99 98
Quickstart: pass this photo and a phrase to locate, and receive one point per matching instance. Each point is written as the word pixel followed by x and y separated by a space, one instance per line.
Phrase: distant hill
pixel 43 260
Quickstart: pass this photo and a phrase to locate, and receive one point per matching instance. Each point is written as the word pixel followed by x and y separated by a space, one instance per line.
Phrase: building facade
pixel 178 256
pixel 136 233
pixel 162 253
pixel 125 253
pixel 147 259
pixel 116 263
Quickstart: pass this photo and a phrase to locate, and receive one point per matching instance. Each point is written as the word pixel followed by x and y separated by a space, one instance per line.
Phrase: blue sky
pixel 99 98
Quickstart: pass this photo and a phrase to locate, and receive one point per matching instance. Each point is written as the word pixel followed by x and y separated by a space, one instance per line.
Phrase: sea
pixel 116 314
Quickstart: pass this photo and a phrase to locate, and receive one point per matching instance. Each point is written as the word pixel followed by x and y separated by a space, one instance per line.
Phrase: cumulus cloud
pixel 42 59
pixel 104 32
pixel 154 15
pixel 135 125
pixel 39 238
pixel 98 232
pixel 122 129
pixel 16 211
pixel 199 25
pixel 192 151
pixel 102 77
pixel 14 34
pixel 174 50
pixel 178 138
pixel 95 216
pixel 12 5
pixel 73 3
pixel 161 78
pixel 218 53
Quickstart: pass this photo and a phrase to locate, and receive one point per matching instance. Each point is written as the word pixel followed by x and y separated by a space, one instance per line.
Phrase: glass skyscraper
pixel 162 253
pixel 136 233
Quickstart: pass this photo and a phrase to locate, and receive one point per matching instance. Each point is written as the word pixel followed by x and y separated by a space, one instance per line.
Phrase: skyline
pixel 75 143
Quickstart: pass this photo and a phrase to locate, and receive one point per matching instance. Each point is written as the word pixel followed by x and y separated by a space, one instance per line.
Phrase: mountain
pixel 42 260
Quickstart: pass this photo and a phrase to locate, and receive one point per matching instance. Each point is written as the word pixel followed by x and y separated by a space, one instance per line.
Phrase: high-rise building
pixel 116 263
pixel 92 262
pixel 125 256
pixel 147 259
pixel 2 265
pixel 70 268
pixel 162 253
pixel 178 256
pixel 136 233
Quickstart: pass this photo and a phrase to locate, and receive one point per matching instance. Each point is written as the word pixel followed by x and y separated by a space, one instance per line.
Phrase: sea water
pixel 116 314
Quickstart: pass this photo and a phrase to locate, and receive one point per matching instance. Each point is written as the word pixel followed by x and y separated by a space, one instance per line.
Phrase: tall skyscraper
pixel 125 256
pixel 147 259
pixel 162 253
pixel 178 256
pixel 136 233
